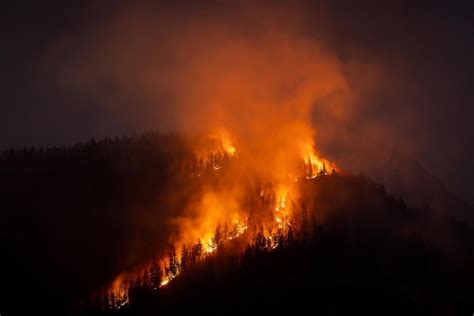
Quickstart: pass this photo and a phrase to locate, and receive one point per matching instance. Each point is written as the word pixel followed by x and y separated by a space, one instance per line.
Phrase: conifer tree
pixel 106 301
pixel 196 252
pixel 280 238
pixel 173 263
pixel 225 231
pixel 304 221
pixel 290 236
pixel 234 231
pixel 260 242
pixel 112 300
pixel 185 258
pixel 146 279
pixel 217 238
pixel 155 275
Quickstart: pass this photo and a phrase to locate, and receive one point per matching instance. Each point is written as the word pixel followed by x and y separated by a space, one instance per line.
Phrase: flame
pixel 215 141
pixel 282 195
pixel 220 216
pixel 256 110
pixel 227 144
pixel 165 281
pixel 282 214
pixel 314 164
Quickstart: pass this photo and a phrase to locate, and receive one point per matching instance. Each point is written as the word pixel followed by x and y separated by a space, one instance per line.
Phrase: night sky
pixel 420 101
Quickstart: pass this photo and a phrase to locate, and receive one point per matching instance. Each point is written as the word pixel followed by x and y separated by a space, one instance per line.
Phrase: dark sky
pixel 421 103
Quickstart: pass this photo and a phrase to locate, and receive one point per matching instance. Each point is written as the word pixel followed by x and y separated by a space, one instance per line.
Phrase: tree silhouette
pixel 155 275
pixel 112 301
pixel 217 239
pixel 280 238
pixel 196 252
pixel 173 267
pixel 225 231
pixel 260 242
pixel 234 231
pixel 185 258
pixel 304 221
pixel 147 279
pixel 290 238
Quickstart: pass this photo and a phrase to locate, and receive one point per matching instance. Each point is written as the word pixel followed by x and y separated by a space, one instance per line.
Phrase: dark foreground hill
pixel 370 254
pixel 71 216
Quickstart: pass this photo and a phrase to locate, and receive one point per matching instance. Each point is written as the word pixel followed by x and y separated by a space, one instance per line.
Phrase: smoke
pixel 254 72
pixel 101 70
pixel 249 68
pixel 264 73
pixel 279 79
pixel 274 81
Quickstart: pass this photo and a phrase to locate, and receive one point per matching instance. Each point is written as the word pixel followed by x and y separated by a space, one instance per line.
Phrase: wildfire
pixel 217 141
pixel 209 247
pixel 227 144
pixel 258 146
pixel 221 217
pixel 281 214
pixel 315 165
pixel 165 281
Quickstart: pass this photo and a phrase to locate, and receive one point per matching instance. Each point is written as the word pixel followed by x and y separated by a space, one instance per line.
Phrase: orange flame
pixel 226 143
pixel 220 216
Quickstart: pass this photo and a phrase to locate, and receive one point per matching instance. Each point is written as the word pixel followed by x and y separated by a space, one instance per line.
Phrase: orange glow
pixel 220 215
pixel 257 129
pixel 314 164
pixel 245 100
pixel 281 212
pixel 227 144
pixel 215 141
pixel 165 281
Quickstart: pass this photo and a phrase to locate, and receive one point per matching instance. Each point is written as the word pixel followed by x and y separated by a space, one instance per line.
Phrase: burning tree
pixel 185 258
pixel 196 252
pixel 267 202
pixel 155 275
pixel 173 267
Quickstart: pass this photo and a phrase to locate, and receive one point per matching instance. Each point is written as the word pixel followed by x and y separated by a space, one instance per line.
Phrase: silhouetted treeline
pixel 68 214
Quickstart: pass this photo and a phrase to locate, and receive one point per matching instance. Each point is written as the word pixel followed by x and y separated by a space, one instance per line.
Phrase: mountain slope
pixel 367 253
pixel 401 175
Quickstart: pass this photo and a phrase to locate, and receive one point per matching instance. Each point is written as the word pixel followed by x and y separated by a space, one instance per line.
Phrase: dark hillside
pixel 370 254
